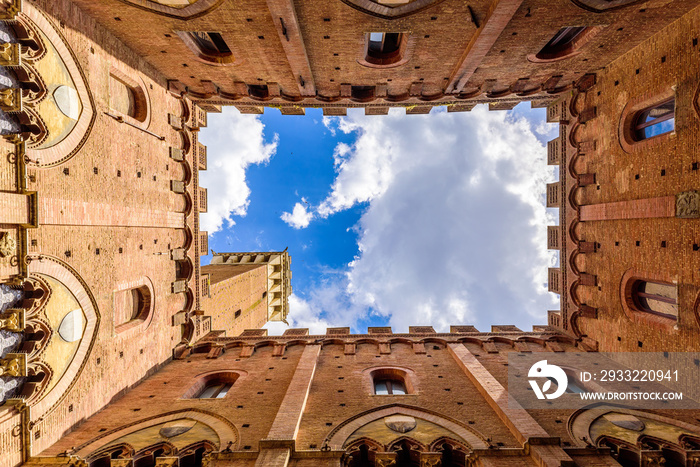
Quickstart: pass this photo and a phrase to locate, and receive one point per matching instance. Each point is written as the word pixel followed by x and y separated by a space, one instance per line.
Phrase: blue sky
pixel 390 220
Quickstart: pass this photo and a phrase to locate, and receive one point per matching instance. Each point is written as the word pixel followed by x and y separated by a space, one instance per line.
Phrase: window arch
pixel 649 299
pixel 599 6
pixel 658 298
pixel 212 386
pixel 654 120
pixel 208 46
pixel 385 49
pixel 390 381
pixel 126 97
pixel 647 121
pixel 133 304
pixel 565 43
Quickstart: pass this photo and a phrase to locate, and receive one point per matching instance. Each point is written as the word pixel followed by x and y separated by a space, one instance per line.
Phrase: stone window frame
pixel 142 103
pixel 629 142
pixel 637 315
pixel 201 55
pixel 571 49
pixel 395 59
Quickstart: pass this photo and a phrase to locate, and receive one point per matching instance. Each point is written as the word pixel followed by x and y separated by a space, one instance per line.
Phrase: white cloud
pixel 234 142
pixel 455 228
pixel 303 314
pixel 299 218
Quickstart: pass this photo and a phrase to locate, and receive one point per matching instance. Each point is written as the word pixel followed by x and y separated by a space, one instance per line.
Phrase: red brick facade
pixel 101 215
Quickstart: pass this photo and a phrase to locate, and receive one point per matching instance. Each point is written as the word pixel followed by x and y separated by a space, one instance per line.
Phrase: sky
pixel 397 220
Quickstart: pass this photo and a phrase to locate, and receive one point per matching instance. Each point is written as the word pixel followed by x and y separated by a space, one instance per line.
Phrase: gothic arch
pixel 338 436
pixel 68 146
pixel 382 11
pixel 194 10
pixel 60 271
pixel 225 430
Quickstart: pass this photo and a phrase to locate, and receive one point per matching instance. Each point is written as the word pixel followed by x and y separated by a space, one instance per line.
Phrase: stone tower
pixel 246 290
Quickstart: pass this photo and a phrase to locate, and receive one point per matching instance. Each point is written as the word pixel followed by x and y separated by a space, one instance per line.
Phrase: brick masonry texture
pixel 123 212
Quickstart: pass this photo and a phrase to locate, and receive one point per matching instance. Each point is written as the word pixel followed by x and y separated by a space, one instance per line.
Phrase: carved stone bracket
pixel 688 205
pixel 10 55
pixel 14 364
pixel 11 100
pixel 167 461
pixel 12 320
pixel 9 9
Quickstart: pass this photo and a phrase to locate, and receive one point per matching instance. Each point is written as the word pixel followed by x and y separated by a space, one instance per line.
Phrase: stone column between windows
pixel 53 211
pixel 664 206
pixel 518 420
pixel 275 450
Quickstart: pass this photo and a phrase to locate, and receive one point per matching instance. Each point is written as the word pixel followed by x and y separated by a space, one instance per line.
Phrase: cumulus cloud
pixel 303 314
pixel 299 218
pixel 455 228
pixel 234 142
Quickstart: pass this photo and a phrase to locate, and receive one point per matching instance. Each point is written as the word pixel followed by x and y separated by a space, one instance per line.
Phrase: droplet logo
pixel 552 373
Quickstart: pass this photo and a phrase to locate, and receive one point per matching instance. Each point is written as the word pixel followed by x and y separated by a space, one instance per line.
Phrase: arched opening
pixel 655 120
pixel 385 48
pixel 212 386
pixel 208 47
pixel 655 297
pixel 390 381
pixel 127 98
pixel 565 43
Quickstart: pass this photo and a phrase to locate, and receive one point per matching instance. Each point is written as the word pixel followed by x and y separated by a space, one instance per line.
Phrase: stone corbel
pixel 167 462
pixel 430 459
pixel 13 320
pixel 124 462
pixel 385 459
pixel 14 364
pixel 9 9
pixel 10 55
pixel 11 100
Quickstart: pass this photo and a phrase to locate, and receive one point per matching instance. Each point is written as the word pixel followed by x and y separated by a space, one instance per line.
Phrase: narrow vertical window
pixel 655 120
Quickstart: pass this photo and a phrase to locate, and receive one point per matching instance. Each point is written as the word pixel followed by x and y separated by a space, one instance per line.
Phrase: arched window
pixel 390 381
pixel 212 386
pixel 209 47
pixel 655 120
pixel 384 48
pixel 389 386
pixel 655 297
pixel 132 307
pixel 215 390
pixel 562 43
pixel 602 5
pixel 126 97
